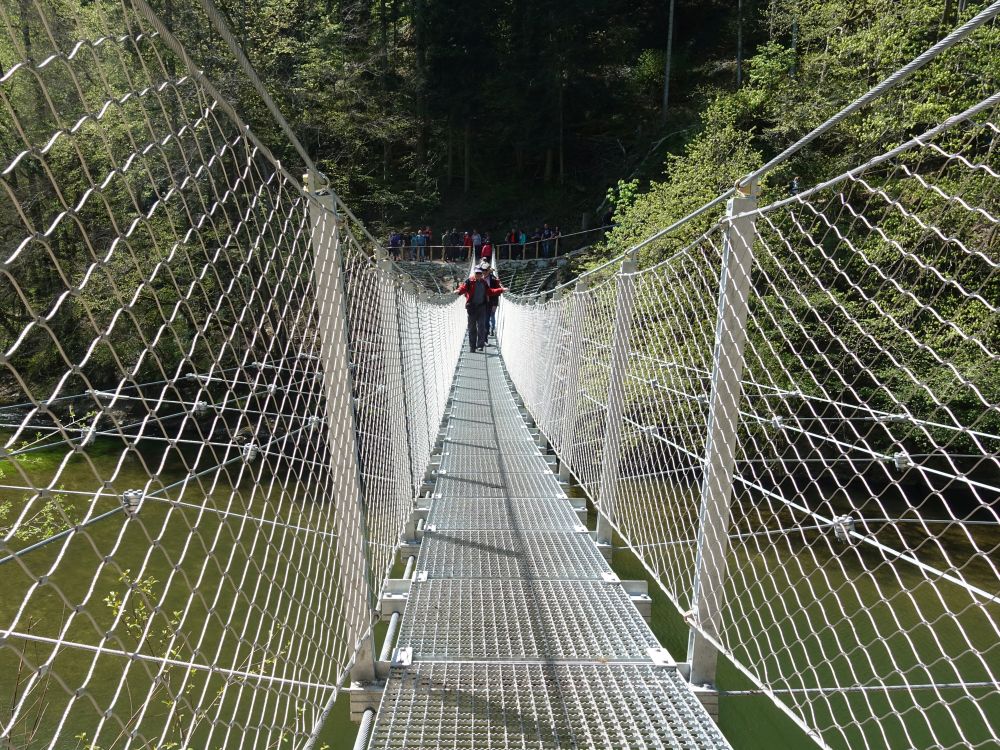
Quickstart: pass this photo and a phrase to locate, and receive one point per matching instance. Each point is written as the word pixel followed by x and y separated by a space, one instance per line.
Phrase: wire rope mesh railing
pixel 792 420
pixel 215 404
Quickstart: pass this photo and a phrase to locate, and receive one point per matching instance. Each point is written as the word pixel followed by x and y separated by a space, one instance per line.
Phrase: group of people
pixel 482 292
pixel 515 244
pixel 410 245
pixel 466 246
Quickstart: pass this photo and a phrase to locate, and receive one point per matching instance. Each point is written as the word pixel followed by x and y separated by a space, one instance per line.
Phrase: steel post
pixel 332 324
pixel 720 447
pixel 393 323
pixel 620 339
pixel 578 312
pixel 410 322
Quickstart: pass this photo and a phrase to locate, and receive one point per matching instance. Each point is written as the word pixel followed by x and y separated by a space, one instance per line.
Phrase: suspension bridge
pixel 248 473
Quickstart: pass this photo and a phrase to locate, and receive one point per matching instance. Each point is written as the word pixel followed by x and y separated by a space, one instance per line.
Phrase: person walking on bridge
pixel 467 244
pixel 477 243
pixel 478 294
pixel 490 274
pixel 486 254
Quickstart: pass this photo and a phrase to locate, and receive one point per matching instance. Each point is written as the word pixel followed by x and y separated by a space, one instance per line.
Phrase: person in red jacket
pixel 467 244
pixel 478 294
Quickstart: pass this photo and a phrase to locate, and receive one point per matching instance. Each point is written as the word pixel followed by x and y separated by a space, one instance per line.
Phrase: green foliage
pixel 51 516
pixel 623 195
pixel 711 163
pixel 41 518
pixel 837 328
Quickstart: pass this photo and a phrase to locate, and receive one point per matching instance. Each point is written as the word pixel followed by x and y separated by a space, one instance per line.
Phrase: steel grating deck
pixel 465 514
pixel 516 634
pixel 518 619
pixel 539 706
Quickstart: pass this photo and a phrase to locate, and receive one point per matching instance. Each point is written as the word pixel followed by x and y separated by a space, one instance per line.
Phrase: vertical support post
pixel 394 352
pixel 720 446
pixel 429 377
pixel 578 313
pixel 351 528
pixel 418 380
pixel 616 401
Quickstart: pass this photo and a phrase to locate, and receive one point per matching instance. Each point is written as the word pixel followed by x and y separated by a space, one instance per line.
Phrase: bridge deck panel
pixel 434 705
pixel 529 463
pixel 510 554
pixel 498 485
pixel 519 634
pixel 489 620
pixel 503 513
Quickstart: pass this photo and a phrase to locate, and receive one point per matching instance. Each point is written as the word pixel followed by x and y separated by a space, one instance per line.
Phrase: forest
pixel 443 113
pixel 530 109
pixel 154 234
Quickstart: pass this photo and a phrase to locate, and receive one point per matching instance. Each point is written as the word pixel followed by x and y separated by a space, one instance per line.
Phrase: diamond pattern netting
pixel 185 561
pixel 860 584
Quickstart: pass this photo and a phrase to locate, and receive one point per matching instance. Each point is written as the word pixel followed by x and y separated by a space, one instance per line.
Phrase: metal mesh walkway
pixel 517 634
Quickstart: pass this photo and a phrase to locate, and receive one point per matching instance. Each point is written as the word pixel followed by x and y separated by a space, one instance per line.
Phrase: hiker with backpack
pixel 478 295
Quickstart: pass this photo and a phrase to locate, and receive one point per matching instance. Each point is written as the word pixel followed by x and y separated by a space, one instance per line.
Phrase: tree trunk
pixel 383 20
pixel 946 20
pixel 562 150
pixel 383 17
pixel 168 21
pixel 386 160
pixel 548 164
pixel 468 157
pixel 795 46
pixel 666 64
pixel 421 59
pixel 739 43
pixel 39 273
pixel 451 154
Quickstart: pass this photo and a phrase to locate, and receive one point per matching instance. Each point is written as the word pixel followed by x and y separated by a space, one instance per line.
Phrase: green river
pixel 215 562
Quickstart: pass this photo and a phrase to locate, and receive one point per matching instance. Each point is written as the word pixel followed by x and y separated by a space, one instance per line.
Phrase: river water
pixel 902 621
pixel 238 593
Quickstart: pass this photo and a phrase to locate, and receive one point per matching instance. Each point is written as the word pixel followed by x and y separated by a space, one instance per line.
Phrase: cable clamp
pixel 131 500
pixel 890 418
pixel 843 528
